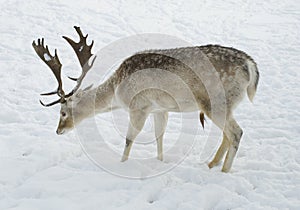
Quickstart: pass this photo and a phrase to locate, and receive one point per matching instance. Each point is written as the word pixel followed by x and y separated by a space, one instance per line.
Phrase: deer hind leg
pixel 221 151
pixel 160 123
pixel 136 124
pixel 234 134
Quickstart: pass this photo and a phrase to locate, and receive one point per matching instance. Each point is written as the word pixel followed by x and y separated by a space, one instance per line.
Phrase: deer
pixel 195 90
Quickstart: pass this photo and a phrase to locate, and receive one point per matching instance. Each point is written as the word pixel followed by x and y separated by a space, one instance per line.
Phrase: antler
pixel 55 66
pixel 83 52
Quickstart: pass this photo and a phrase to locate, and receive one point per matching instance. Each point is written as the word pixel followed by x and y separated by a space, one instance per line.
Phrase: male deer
pixel 126 89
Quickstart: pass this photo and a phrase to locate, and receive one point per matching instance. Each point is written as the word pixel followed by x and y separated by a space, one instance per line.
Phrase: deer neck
pixel 105 94
pixel 91 102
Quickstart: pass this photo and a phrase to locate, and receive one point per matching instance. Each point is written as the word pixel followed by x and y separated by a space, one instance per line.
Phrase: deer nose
pixel 59 131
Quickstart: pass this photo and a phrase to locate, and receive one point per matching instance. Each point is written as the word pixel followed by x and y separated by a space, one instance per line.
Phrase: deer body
pixel 173 80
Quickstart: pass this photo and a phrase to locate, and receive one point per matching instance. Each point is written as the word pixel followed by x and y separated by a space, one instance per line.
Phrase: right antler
pixel 55 66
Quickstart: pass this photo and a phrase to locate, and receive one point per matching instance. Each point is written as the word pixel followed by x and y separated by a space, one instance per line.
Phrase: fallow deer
pixel 200 70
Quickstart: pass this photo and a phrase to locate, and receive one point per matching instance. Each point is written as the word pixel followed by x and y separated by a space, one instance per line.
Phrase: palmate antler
pixel 55 66
pixel 83 52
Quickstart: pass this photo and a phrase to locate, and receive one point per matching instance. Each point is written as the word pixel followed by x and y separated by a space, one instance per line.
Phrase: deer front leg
pixel 220 153
pixel 136 123
pixel 160 123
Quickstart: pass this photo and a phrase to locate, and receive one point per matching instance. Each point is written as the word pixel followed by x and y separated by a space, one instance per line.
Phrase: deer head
pixel 67 101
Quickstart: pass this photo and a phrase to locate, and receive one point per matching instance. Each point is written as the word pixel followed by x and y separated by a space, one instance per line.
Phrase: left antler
pixel 83 52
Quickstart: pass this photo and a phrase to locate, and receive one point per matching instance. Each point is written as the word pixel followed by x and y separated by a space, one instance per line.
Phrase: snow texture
pixel 47 57
pixel 40 170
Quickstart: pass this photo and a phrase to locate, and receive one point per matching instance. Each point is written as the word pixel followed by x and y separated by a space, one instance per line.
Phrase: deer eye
pixel 63 114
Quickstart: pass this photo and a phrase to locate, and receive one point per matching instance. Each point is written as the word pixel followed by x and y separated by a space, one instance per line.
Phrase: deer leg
pixel 160 123
pixel 220 153
pixel 234 134
pixel 136 123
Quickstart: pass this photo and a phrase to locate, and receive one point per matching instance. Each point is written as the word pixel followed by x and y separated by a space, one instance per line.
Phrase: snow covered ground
pixel 40 170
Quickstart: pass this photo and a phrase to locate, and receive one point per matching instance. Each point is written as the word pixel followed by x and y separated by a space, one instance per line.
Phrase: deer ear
pixel 79 94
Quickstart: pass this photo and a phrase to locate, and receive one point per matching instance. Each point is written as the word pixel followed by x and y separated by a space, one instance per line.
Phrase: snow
pixel 47 57
pixel 40 170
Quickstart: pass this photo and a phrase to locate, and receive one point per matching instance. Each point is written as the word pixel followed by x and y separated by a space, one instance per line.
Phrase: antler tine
pixel 52 103
pixel 54 64
pixel 80 79
pixel 83 52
